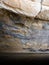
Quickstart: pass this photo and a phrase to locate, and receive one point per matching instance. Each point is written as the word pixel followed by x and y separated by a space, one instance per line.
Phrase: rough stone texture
pixel 25 7
pixel 30 8
pixel 20 33
pixel 44 14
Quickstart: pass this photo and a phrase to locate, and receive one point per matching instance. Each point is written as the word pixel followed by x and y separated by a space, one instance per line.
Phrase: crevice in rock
pixel 41 19
pixel 40 8
pixel 41 5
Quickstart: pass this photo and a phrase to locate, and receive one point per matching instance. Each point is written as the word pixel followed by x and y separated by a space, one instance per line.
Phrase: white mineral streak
pixel 26 7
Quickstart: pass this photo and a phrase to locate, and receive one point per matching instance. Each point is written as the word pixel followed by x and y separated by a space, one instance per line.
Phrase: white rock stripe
pixel 30 8
pixel 26 7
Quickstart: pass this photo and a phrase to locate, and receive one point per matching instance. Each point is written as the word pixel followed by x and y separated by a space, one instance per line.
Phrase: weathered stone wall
pixel 27 31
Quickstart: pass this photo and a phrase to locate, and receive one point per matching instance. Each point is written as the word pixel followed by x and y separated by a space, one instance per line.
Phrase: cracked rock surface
pixel 24 26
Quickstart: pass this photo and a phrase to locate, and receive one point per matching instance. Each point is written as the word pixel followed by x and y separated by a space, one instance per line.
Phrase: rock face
pixel 24 28
pixel 45 2
pixel 30 8
pixel 25 7
pixel 44 14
